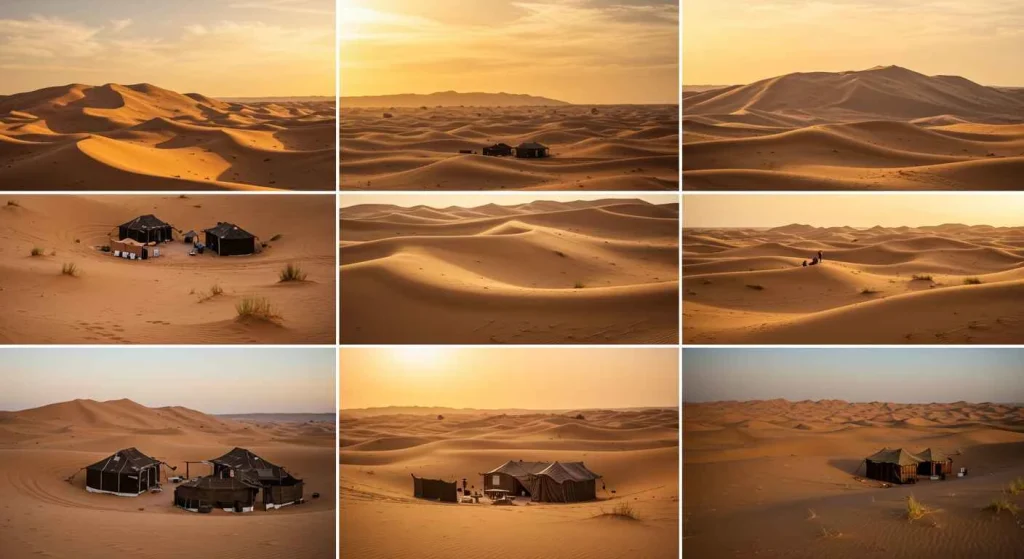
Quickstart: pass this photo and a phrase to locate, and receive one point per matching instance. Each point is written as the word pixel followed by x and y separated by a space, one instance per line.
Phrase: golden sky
pixel 855 210
pixel 503 378
pixel 225 48
pixel 728 42
pixel 474 199
pixel 579 51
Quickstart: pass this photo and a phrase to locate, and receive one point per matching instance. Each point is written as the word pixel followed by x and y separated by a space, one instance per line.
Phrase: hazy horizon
pixel 852 210
pixel 897 375
pixel 733 42
pixel 578 51
pixel 235 48
pixel 216 381
pixel 347 199
pixel 545 378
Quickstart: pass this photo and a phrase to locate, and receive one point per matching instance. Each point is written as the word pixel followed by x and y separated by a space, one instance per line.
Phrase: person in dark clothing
pixel 805 263
pixel 814 261
pixel 820 257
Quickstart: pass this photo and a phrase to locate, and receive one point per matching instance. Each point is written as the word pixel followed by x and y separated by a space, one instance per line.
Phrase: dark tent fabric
pixel 564 482
pixel 934 463
pixel 279 487
pixel 229 493
pixel 556 482
pixel 146 229
pixel 531 149
pixel 434 489
pixel 228 239
pixel 127 472
pixel 499 149
pixel 892 465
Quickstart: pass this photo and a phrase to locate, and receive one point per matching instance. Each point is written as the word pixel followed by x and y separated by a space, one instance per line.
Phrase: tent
pixel 892 465
pixel 228 239
pixel 232 494
pixel 190 237
pixel 434 489
pixel 531 150
pixel 126 473
pixel 553 482
pixel 279 487
pixel 934 463
pixel 498 150
pixel 146 229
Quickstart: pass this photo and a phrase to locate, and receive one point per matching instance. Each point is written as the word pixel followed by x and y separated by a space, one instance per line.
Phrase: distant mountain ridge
pixel 450 99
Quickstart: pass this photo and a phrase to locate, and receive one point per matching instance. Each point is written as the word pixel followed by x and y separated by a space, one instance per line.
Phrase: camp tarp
pixel 126 473
pixel 228 239
pixel 434 489
pixel 232 494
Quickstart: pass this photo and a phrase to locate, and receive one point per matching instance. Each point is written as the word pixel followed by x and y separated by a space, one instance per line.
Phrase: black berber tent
pixel 146 229
pixel 549 482
pixel 228 239
pixel 232 494
pixel 127 473
pixel 279 487
pixel 434 489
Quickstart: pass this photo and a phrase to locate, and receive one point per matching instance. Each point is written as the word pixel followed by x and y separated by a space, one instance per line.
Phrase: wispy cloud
pixel 313 7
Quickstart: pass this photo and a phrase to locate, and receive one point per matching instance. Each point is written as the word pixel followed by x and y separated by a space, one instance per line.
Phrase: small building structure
pixel 498 150
pixel 125 473
pixel 228 239
pixel 231 494
pixel 133 250
pixel 146 229
pixel 531 150
pixel 190 238
pixel 934 463
pixel 434 489
pixel 892 466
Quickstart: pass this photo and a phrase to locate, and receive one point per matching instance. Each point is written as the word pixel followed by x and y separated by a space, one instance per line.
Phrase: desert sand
pixel 618 147
pixel 944 284
pixel 603 271
pixel 44 516
pixel 886 128
pixel 166 299
pixel 142 137
pixel 635 450
pixel 784 479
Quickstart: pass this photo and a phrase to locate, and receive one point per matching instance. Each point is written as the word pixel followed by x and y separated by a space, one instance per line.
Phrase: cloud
pixel 313 7
pixel 46 38
pixel 119 24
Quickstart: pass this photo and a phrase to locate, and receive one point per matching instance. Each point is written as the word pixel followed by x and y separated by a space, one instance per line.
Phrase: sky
pixel 853 210
pixel 473 200
pixel 508 378
pixel 210 380
pixel 727 42
pixel 896 375
pixel 220 48
pixel 578 51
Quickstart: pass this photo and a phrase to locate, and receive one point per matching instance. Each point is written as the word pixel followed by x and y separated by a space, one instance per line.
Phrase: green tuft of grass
pixel 1002 504
pixel 69 269
pixel 276 237
pixel 915 509
pixel 292 272
pixel 922 277
pixel 972 281
pixel 755 286
pixel 1016 486
pixel 36 251
pixel 215 290
pixel 255 307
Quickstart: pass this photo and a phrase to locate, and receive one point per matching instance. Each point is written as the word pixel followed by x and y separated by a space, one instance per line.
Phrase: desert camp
pixel 139 238
pixel 538 482
pixel 899 466
pixel 279 487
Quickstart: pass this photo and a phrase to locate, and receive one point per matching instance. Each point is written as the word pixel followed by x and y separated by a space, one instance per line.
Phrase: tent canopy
pixel 894 456
pixel 144 222
pixel 225 230
pixel 932 455
pixel 568 471
pixel 124 459
pixel 243 460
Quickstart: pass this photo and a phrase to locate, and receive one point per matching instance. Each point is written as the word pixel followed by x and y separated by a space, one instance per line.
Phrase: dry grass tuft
pixel 915 509
pixel 36 251
pixel 256 307
pixel 1016 486
pixel 1002 504
pixel 70 269
pixel 755 286
pixel 922 277
pixel 292 272
pixel 972 281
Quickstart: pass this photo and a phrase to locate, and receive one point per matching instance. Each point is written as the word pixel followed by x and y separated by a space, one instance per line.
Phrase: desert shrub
pixel 69 269
pixel 1002 504
pixel 755 286
pixel 868 291
pixel 14 203
pixel 255 307
pixel 625 510
pixel 276 237
pixel 915 509
pixel 36 251
pixel 1016 486
pixel 578 285
pixel 580 417
pixel 922 277
pixel 292 272
pixel 215 290
pixel 971 281
pixel 560 253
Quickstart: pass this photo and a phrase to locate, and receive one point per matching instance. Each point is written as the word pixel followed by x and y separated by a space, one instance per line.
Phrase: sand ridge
pixel 950 283
pixel 885 128
pixel 620 147
pixel 785 479
pixel 603 271
pixel 635 450
pixel 44 515
pixel 165 299
pixel 143 137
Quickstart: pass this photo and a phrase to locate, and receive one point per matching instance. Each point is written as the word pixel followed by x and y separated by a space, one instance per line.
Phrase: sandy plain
pixel 142 137
pixel 885 128
pixel 621 147
pixel 635 450
pixel 602 271
pixel 44 516
pixel 944 284
pixel 165 299
pixel 784 479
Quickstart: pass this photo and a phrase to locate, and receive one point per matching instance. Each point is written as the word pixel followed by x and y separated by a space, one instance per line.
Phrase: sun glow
pixel 419 358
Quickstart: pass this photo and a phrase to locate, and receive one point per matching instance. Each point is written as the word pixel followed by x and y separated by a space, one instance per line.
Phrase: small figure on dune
pixel 814 261
pixel 820 257
pixel 805 263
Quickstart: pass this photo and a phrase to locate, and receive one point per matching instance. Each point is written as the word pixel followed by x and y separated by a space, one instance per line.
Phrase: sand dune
pixel 142 137
pixel 628 147
pixel 758 480
pixel 635 450
pixel 929 285
pixel 886 128
pixel 166 299
pixel 45 516
pixel 601 271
